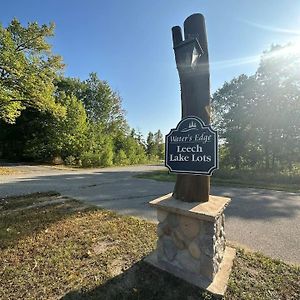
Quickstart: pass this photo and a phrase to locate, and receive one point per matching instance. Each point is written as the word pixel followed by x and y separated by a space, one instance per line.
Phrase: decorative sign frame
pixel 192 148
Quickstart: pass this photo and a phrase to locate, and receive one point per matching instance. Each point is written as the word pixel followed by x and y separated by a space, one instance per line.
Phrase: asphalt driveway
pixel 262 220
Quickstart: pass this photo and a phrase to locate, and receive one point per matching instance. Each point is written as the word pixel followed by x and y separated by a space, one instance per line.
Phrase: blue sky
pixel 128 43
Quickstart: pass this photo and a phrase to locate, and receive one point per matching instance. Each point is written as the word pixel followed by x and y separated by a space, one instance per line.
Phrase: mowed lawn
pixel 54 247
pixel 241 178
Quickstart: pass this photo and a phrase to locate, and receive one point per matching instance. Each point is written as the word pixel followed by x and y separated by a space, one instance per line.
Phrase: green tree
pixel 99 144
pixel 150 144
pixel 160 146
pixel 258 116
pixel 137 135
pixel 277 108
pixel 134 151
pixel 44 115
pixel 121 158
pixel 63 137
pixel 27 70
pixel 155 145
pixel 101 103
pixel 232 117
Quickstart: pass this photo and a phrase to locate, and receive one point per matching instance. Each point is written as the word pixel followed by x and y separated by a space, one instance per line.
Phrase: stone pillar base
pixel 191 242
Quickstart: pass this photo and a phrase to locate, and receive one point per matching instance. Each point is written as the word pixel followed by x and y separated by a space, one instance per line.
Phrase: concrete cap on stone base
pixel 208 211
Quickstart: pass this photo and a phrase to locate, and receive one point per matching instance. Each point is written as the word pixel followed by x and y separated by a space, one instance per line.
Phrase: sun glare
pixel 290 49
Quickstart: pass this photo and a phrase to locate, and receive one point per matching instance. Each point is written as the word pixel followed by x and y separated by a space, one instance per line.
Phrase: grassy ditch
pixel 59 248
pixel 279 182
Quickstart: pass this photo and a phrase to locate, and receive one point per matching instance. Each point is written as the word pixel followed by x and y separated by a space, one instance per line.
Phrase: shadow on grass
pixel 144 282
pixel 121 192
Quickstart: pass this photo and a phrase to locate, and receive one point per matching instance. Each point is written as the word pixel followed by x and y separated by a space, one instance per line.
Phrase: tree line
pixel 258 116
pixel 45 116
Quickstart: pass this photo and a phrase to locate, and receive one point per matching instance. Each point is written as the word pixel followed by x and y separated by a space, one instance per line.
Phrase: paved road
pixel 262 220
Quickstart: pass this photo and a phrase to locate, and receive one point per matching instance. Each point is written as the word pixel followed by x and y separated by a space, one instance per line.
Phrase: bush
pixel 121 158
pixel 90 159
pixel 107 154
pixel 153 158
pixel 70 160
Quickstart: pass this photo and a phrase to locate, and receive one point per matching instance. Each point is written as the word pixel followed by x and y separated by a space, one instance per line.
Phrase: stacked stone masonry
pixel 190 244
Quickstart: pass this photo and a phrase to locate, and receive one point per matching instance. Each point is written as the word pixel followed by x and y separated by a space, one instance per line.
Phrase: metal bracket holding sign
pixel 192 148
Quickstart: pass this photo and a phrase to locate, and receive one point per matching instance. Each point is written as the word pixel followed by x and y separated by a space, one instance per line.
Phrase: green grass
pixel 67 250
pixel 280 182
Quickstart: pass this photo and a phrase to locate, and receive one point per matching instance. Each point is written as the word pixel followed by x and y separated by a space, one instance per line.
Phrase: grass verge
pixel 238 179
pixel 7 171
pixel 58 248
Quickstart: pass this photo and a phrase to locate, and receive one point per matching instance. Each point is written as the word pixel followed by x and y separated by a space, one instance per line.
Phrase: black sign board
pixel 192 147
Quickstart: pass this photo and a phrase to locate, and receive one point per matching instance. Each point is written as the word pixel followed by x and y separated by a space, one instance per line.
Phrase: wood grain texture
pixel 191 55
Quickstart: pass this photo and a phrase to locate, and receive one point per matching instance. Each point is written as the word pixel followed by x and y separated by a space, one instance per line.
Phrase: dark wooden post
pixel 191 57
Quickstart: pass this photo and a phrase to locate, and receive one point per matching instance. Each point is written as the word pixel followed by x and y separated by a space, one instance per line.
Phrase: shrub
pixel 70 160
pixel 90 159
pixel 121 158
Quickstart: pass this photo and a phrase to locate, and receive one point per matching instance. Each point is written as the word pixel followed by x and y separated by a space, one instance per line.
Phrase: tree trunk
pixel 267 158
pixel 273 162
pixel 192 63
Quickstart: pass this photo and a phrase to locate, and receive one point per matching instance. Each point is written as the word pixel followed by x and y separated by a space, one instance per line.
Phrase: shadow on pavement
pixel 121 191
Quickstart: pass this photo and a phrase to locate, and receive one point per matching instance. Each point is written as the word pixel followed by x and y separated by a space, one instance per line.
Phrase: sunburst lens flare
pixel 273 28
pixel 289 49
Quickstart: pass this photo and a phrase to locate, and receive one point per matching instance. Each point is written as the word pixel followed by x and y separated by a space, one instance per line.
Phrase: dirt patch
pixel 116 267
pixel 8 171
pixel 102 246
